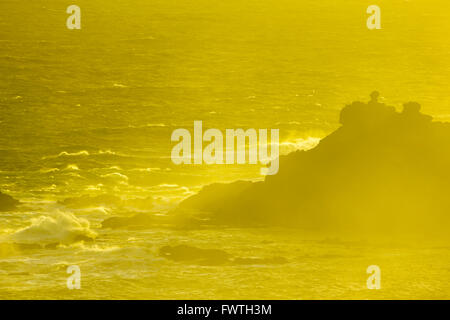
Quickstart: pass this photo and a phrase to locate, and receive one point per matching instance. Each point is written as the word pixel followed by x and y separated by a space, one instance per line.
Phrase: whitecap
pixel 298 144
pixel 115 175
pixel 73 167
pixel 57 227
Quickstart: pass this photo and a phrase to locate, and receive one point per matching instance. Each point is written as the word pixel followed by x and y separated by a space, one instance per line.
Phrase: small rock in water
pixel 7 203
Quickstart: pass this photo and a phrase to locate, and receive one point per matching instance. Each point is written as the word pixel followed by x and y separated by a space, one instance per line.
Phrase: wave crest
pixel 56 228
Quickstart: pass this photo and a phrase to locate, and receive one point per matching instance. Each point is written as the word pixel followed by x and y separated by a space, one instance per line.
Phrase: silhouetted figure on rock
pixel 411 111
pixel 367 115
pixel 374 98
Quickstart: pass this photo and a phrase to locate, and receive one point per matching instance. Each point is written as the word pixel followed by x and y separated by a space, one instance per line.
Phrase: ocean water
pixel 112 268
pixel 87 113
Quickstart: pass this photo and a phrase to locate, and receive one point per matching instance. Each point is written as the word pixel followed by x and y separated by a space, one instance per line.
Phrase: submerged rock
pixel 184 253
pixel 212 257
pixel 7 203
pixel 138 221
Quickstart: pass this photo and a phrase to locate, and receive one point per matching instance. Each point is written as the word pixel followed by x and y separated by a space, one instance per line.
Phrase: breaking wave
pixel 55 228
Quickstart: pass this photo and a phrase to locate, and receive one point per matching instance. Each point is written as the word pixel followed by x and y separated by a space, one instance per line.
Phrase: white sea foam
pixel 298 144
pixel 57 227
pixel 116 176
pixel 146 169
pixel 72 167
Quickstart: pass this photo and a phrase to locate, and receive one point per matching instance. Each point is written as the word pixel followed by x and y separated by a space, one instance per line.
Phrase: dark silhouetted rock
pixel 380 171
